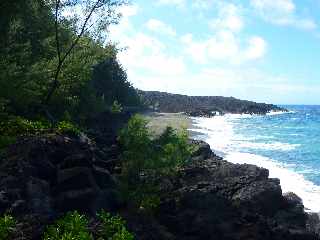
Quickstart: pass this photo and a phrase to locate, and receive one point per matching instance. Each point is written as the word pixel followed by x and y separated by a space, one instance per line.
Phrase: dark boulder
pixel 52 174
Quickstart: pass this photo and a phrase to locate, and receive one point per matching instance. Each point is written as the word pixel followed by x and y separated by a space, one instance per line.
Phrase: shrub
pixel 173 150
pixel 145 160
pixel 113 227
pixel 15 126
pixel 7 225
pixel 65 127
pixel 116 107
pixel 72 226
pixel 11 127
pixel 136 143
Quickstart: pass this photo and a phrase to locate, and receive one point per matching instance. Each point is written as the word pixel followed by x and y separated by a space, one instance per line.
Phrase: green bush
pixel 116 107
pixel 142 154
pixel 7 225
pixel 145 160
pixel 16 126
pixel 12 127
pixel 73 226
pixel 113 228
pixel 173 150
pixel 137 147
pixel 65 127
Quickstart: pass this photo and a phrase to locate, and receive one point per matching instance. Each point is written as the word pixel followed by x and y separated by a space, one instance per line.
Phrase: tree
pixel 98 15
pixel 110 81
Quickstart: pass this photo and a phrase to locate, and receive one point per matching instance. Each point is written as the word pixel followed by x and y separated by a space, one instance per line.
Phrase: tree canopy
pixel 54 57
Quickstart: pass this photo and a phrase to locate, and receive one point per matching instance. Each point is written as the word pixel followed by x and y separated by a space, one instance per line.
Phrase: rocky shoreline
pixel 42 178
pixel 203 106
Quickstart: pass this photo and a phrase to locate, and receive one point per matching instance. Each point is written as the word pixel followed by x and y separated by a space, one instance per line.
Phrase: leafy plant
pixel 113 227
pixel 7 225
pixel 65 127
pixel 15 126
pixel 137 146
pixel 116 107
pixel 146 160
pixel 12 127
pixel 73 226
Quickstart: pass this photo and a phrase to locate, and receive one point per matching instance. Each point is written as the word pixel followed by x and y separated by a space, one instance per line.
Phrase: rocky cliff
pixel 203 105
pixel 44 177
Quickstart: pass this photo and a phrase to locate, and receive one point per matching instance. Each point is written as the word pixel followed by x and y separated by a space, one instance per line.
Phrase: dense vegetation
pixel 38 43
pixel 56 69
pixel 57 73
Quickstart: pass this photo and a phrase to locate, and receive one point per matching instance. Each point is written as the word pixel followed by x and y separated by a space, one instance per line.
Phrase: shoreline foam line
pixel 220 135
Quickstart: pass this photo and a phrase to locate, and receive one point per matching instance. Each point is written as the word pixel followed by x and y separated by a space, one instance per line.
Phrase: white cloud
pixel 226 43
pixel 125 27
pixel 148 54
pixel 283 13
pixel 224 46
pixel 229 17
pixel 160 27
pixel 256 49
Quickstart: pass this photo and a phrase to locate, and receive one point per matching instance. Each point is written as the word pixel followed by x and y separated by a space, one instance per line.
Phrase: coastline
pixel 290 180
pixel 215 198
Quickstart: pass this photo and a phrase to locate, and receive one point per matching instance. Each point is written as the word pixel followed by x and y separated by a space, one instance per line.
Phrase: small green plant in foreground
pixel 145 160
pixel 73 226
pixel 7 225
pixel 116 107
pixel 15 126
pixel 66 127
pixel 113 228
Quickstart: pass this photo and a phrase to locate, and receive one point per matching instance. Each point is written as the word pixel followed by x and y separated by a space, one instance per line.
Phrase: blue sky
pixel 261 50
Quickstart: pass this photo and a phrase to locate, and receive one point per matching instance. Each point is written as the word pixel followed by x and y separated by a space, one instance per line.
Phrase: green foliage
pixel 29 60
pixel 145 160
pixel 116 107
pixel 174 150
pixel 15 126
pixel 12 127
pixel 113 228
pixel 163 155
pixel 7 225
pixel 73 226
pixel 65 127
pixel 137 146
pixel 110 82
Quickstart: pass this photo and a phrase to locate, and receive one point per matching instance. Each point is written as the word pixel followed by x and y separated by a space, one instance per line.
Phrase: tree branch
pixel 98 4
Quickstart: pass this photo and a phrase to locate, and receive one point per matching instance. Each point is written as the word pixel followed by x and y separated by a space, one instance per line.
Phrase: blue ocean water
pixel 288 144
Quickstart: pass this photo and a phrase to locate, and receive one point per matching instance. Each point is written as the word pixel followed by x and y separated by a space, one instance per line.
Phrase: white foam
pixel 290 181
pixel 270 146
pixel 271 113
pixel 221 136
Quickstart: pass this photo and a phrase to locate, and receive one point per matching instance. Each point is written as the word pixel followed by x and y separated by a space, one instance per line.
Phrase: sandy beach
pixel 157 122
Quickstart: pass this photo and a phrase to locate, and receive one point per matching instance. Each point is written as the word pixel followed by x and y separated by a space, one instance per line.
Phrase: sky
pixel 260 50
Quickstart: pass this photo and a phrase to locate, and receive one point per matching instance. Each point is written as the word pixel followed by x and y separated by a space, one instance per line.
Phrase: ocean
pixel 288 144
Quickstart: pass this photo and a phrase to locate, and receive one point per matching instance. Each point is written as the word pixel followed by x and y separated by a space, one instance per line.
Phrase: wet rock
pixel 39 199
pixel 80 199
pixel 75 178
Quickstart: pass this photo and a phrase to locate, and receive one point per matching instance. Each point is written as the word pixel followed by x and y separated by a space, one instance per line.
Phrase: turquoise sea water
pixel 288 144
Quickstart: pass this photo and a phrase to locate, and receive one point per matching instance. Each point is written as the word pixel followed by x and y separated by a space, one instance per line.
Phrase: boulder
pixel 80 199
pixel 75 178
pixel 39 199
